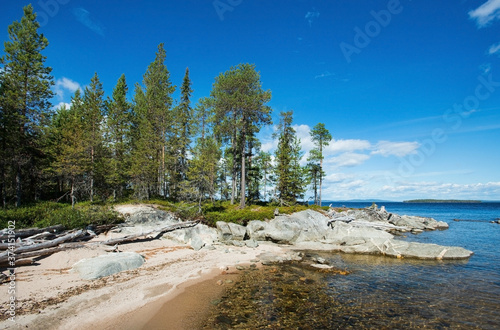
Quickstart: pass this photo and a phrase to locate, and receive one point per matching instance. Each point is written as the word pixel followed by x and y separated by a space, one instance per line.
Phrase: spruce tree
pixel 184 119
pixel 69 146
pixel 25 84
pixel 290 176
pixel 119 138
pixel 93 115
pixel 152 159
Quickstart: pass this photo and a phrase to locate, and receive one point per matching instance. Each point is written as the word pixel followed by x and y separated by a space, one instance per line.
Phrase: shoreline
pixel 50 296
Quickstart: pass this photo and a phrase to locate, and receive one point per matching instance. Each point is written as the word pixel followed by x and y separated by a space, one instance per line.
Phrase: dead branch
pixel 159 232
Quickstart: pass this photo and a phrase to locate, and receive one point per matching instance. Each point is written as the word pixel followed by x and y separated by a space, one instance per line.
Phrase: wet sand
pixel 189 309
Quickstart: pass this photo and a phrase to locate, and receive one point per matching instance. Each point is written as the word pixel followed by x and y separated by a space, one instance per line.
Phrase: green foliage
pixel 321 138
pixel 81 216
pixel 240 110
pixel 290 176
pixel 25 84
pixel 46 214
pixel 152 158
pixel 118 131
pixel 224 211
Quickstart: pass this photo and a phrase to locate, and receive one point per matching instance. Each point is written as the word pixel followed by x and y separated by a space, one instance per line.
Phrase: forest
pixel 103 149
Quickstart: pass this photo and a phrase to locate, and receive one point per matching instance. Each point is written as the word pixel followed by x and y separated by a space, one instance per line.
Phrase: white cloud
pixel 399 149
pixel 347 159
pixel 494 49
pixel 486 13
pixel 65 84
pixel 61 104
pixel 337 146
pixel 443 190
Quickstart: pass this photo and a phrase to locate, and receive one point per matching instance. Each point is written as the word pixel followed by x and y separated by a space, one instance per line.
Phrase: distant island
pixel 440 201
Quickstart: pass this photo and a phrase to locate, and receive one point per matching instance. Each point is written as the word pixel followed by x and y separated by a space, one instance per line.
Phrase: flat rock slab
pixel 109 264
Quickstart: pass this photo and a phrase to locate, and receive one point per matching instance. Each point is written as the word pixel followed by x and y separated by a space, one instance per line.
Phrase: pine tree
pixel 313 175
pixel 240 110
pixel 25 83
pixel 119 137
pixel 290 176
pixel 321 137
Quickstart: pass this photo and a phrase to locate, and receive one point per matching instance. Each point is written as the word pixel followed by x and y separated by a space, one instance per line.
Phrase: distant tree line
pixel 108 148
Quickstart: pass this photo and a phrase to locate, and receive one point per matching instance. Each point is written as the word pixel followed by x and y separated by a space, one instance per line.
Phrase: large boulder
pixel 256 230
pixel 302 226
pixel 197 236
pixel 107 264
pixel 229 231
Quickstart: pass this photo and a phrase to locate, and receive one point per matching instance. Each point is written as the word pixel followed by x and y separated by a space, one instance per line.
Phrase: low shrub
pixel 46 214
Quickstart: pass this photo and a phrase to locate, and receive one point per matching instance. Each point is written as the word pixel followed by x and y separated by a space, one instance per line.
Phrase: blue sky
pixel 410 90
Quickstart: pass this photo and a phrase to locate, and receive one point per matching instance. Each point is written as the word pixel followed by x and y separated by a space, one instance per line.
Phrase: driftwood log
pixel 159 231
pixel 23 233
pixel 33 245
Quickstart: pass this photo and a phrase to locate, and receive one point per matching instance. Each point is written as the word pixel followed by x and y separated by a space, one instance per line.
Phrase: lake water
pixel 381 292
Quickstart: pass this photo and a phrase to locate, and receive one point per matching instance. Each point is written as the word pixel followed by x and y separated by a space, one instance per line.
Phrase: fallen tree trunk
pixel 4 257
pixel 28 249
pixel 160 232
pixel 23 233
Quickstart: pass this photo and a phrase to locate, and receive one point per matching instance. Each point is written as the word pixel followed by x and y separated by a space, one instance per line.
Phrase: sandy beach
pixel 51 296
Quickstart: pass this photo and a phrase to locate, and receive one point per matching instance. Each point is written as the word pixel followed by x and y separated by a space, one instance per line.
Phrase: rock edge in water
pixel 363 231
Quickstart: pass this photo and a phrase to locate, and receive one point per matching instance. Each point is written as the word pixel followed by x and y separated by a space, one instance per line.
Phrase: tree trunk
pixel 243 183
pixel 92 174
pixel 73 193
pixel 19 189
pixel 320 175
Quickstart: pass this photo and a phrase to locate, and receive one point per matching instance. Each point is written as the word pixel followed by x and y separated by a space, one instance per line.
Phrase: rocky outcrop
pixel 364 231
pixel 367 231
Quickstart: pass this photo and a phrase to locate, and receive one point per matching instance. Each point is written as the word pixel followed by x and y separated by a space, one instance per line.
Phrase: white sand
pixel 109 303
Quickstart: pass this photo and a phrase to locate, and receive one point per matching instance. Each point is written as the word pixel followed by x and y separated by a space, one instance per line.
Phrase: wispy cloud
pixel 349 145
pixel 311 16
pixel 347 159
pixel 84 17
pixel 486 13
pixel 323 75
pixel 443 190
pixel 398 149
pixel 494 49
pixel 65 84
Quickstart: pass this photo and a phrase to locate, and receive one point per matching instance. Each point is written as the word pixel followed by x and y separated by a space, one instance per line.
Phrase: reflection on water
pixel 379 292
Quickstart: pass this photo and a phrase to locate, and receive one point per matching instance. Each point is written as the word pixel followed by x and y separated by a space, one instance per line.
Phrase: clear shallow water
pixel 386 293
